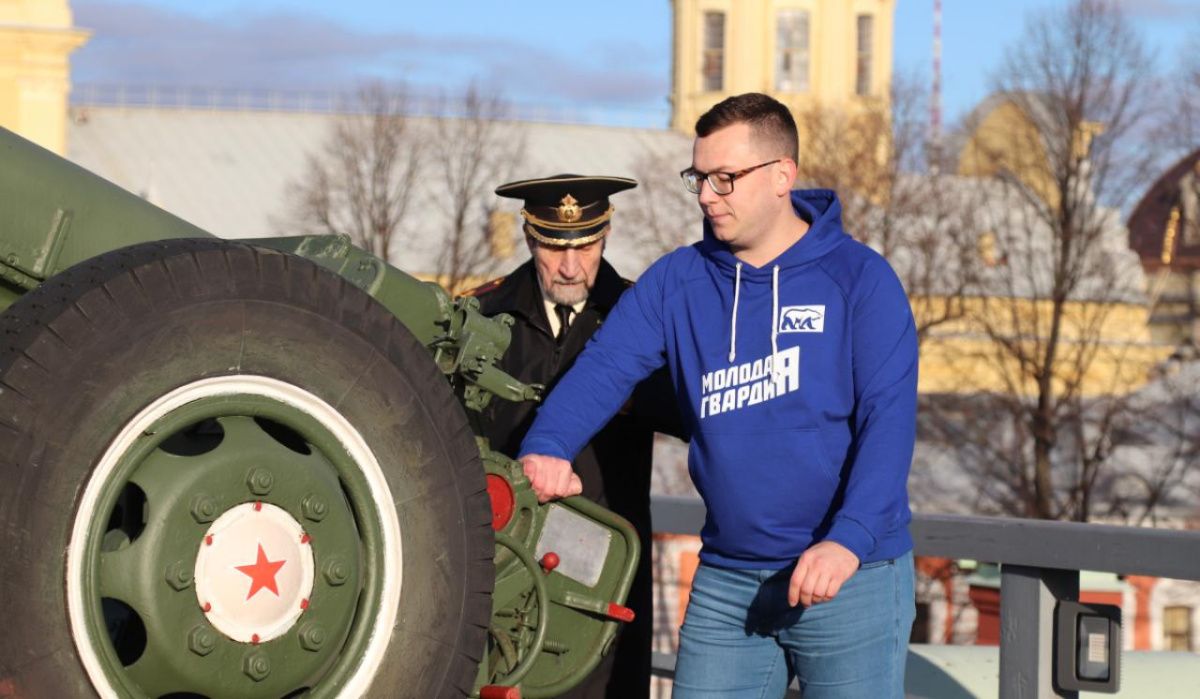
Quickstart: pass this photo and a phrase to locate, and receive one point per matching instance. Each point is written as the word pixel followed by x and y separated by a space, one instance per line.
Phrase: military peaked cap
pixel 566 210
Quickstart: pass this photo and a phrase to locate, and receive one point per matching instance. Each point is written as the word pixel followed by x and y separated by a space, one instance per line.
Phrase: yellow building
pixel 36 40
pixel 1106 346
pixel 833 53
pixel 1008 134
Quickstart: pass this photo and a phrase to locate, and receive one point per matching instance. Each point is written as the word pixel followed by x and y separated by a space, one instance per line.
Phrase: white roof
pixel 229 172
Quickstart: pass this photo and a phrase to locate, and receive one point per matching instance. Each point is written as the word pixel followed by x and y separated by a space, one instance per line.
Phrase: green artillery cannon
pixel 245 469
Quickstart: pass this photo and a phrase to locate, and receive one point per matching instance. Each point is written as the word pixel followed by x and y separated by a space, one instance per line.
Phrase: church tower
pixel 805 53
pixel 36 39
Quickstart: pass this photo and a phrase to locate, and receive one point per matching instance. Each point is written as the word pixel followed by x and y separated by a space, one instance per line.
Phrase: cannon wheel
pixel 225 472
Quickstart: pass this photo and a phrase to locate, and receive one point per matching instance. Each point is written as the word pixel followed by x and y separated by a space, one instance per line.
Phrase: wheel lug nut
pixel 260 481
pixel 256 665
pixel 204 509
pixel 201 640
pixel 314 508
pixel 336 572
pixel 179 576
pixel 312 637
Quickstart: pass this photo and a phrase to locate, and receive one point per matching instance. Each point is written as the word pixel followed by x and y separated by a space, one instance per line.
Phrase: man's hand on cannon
pixel 551 477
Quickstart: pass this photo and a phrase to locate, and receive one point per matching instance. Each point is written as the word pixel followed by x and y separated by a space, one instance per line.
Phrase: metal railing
pixel 416 104
pixel 1039 565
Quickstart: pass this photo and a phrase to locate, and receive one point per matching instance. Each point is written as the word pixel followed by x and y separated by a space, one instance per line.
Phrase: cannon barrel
pixel 54 214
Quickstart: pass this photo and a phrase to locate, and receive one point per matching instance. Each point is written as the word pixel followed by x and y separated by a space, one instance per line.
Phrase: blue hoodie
pixel 797 382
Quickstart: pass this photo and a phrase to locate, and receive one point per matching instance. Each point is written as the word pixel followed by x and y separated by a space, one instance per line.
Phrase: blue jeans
pixel 740 639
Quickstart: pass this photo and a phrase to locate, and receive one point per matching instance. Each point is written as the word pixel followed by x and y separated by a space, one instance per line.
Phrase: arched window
pixel 712 66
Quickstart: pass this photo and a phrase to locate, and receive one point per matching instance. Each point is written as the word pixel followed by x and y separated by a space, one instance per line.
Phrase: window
pixel 866 31
pixel 989 250
pixel 713 65
pixel 791 51
pixel 920 627
pixel 502 233
pixel 1177 628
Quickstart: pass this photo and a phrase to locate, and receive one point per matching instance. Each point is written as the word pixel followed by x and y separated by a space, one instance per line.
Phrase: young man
pixel 794 358
pixel 557 300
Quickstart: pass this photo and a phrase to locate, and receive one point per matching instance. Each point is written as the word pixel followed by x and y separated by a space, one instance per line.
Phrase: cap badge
pixel 568 210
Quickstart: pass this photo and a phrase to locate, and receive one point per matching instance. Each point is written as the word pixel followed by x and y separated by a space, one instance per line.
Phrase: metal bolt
pixel 336 572
pixel 204 509
pixel 260 481
pixel 202 640
pixel 179 576
pixel 256 665
pixel 314 508
pixel 312 637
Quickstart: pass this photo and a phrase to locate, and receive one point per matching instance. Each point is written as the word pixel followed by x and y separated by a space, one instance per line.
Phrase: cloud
pixel 1160 9
pixel 138 44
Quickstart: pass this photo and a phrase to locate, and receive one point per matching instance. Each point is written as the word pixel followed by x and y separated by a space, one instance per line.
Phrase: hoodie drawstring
pixel 737 292
pixel 737 288
pixel 774 320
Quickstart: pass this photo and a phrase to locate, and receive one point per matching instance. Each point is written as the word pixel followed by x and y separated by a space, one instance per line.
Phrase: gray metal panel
pixel 1027 600
pixel 673 514
pixel 1028 542
pixel 1064 545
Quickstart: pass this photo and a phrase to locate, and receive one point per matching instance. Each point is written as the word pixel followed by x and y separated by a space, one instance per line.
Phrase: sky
pixel 611 58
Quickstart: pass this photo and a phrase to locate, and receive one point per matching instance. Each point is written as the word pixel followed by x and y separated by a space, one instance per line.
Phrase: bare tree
pixel 894 197
pixel 362 181
pixel 660 215
pixel 473 151
pixel 1062 150
pixel 1180 126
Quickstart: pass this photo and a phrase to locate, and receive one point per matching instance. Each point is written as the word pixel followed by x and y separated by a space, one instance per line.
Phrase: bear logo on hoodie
pixel 802 319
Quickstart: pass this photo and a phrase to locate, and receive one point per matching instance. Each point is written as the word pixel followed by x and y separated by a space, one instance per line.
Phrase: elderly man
pixel 558 299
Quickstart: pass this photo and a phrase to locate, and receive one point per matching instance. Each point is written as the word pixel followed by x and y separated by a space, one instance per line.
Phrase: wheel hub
pixel 254 572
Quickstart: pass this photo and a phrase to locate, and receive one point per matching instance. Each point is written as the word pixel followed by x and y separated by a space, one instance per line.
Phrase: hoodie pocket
pixel 765 490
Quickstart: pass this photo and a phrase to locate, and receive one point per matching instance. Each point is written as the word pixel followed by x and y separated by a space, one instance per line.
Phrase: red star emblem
pixel 262 573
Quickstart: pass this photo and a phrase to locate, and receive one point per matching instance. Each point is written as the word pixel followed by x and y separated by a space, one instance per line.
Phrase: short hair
pixel 770 121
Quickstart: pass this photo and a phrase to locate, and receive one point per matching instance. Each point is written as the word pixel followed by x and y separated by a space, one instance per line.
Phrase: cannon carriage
pixel 246 469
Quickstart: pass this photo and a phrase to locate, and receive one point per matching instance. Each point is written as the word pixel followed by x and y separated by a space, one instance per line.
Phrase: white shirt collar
pixel 551 316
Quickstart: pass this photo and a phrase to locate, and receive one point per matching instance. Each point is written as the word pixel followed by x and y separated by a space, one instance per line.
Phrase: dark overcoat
pixel 614 466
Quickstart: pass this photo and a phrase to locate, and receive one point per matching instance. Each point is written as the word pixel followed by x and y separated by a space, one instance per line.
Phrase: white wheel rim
pixel 298 399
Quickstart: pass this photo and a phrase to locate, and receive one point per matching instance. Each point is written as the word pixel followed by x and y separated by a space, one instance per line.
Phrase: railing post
pixel 1027 600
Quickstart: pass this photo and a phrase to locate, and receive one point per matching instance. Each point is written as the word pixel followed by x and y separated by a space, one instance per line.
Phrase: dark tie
pixel 564 320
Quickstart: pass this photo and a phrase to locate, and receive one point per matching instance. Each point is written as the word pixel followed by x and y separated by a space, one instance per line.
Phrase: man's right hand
pixel 551 477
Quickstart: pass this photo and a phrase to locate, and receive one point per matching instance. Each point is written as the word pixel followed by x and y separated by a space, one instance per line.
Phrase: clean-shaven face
pixel 567 274
pixel 739 218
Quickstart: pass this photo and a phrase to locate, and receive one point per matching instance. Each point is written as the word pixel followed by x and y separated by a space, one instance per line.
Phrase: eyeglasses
pixel 721 182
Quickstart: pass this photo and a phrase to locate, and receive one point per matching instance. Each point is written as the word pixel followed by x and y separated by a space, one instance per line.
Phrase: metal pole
pixel 1027 600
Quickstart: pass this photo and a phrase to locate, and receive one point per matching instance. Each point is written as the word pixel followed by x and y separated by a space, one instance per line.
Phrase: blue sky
pixel 530 51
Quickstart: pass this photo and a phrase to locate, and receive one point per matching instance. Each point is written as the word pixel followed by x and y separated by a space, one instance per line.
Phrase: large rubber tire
pixel 85 354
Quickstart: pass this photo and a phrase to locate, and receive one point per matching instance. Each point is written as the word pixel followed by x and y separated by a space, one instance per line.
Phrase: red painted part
pixel 493 691
pixel 550 561
pixel 616 611
pixel 503 501
pixel 208 540
pixel 304 604
pixel 207 607
pixel 1143 587
pixel 254 639
pixel 941 570
pixel 258 505
pixel 987 602
pixel 305 539
pixel 1112 597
